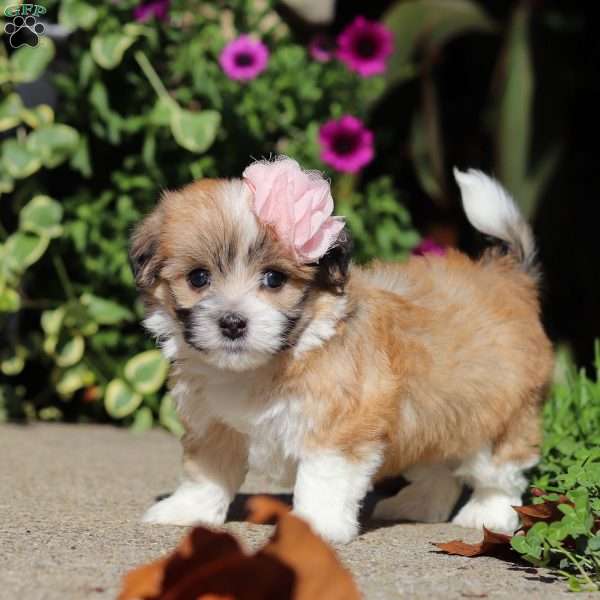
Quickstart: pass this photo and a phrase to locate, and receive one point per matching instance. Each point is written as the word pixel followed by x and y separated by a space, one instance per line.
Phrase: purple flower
pixel 428 246
pixel 321 48
pixel 244 58
pixel 158 9
pixel 346 144
pixel 364 46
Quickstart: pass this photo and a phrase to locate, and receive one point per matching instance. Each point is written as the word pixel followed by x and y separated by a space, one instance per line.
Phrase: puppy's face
pixel 228 285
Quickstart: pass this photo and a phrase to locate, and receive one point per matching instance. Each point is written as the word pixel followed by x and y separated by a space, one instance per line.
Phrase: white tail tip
pixel 491 210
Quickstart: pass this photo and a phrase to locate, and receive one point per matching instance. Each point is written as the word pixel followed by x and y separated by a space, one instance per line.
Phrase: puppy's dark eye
pixel 198 278
pixel 274 279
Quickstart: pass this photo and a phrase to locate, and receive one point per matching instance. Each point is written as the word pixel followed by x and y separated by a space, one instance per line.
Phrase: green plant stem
pixel 96 369
pixel 40 304
pixel 581 570
pixel 61 270
pixel 152 76
pixel 431 122
pixel 106 360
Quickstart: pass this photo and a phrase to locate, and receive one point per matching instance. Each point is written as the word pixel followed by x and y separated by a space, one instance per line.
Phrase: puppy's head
pixel 222 280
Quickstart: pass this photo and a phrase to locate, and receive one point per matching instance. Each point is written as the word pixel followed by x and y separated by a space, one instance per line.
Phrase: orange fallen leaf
pixel 319 573
pixel 493 544
pixel 294 565
pixel 534 513
pixel 199 549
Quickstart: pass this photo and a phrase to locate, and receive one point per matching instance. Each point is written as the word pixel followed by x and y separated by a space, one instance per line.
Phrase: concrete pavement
pixel 71 497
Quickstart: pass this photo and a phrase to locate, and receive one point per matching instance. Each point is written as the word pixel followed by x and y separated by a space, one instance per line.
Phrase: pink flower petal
pixel 298 205
pixel 318 245
pixel 159 9
pixel 346 144
pixel 364 46
pixel 321 48
pixel 428 246
pixel 244 58
pixel 311 219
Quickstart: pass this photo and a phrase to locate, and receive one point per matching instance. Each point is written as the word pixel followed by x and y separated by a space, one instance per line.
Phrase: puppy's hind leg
pixel 214 466
pixel 429 498
pixel 496 475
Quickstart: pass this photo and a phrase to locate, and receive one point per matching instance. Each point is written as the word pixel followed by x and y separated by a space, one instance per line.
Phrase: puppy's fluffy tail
pixel 491 210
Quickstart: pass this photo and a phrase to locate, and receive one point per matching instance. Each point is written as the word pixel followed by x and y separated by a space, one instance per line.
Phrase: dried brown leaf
pixel 319 573
pixel 534 513
pixel 493 544
pixel 295 565
pixel 199 548
pixel 242 578
pixel 498 544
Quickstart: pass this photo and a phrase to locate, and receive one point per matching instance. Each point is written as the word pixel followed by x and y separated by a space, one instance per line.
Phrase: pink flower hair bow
pixel 297 204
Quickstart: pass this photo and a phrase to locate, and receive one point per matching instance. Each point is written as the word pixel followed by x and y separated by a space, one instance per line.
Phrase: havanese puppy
pixel 330 377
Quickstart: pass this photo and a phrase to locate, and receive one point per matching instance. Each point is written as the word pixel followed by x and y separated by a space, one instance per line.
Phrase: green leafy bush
pixel 570 468
pixel 142 106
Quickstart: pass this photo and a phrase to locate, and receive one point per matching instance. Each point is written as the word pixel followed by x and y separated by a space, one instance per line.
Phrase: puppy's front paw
pixel 191 504
pixel 492 510
pixel 332 529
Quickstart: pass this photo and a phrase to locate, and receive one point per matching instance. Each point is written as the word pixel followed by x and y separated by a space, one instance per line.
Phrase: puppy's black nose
pixel 233 325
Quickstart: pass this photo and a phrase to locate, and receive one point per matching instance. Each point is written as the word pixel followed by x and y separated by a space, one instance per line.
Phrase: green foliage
pixel 430 23
pixel 146 106
pixel 142 107
pixel 380 224
pixel 425 26
pixel 570 467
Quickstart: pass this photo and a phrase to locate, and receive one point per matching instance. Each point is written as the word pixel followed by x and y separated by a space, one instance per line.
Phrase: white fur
pixel 166 331
pixel 491 210
pixel 192 503
pixel 329 489
pixel 274 430
pixel 434 491
pixel 429 498
pixel 320 330
pixel 497 487
pixel 236 199
pixel 262 340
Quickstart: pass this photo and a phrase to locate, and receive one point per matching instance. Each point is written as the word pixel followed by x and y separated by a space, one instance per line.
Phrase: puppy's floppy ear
pixel 143 249
pixel 333 268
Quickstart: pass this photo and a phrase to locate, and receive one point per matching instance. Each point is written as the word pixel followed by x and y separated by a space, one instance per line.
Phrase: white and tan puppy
pixel 330 377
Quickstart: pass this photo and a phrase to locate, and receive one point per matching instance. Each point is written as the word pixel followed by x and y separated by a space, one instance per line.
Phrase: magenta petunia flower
pixel 158 9
pixel 346 144
pixel 428 246
pixel 244 58
pixel 321 48
pixel 364 46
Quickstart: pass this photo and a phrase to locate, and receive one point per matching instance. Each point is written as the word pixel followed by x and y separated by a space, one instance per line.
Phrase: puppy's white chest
pixel 276 428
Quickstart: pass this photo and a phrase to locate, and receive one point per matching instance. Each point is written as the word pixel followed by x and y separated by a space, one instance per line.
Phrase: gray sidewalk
pixel 71 498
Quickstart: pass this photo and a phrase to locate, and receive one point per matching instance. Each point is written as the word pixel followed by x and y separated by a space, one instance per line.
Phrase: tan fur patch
pixel 459 360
